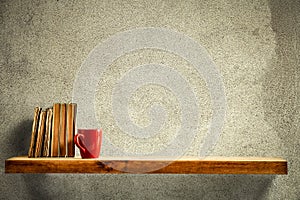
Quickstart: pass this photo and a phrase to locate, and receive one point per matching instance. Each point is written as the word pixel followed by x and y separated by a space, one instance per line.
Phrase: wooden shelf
pixel 185 165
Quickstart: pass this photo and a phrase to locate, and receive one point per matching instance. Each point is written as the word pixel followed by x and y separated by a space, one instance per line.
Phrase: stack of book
pixel 53 131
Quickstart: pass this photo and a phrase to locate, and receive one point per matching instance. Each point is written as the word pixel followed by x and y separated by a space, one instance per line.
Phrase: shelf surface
pixel 184 165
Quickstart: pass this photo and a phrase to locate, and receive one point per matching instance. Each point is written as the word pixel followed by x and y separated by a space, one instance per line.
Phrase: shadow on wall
pixel 281 84
pixel 83 186
pixel 20 138
pixel 204 186
pixel 281 96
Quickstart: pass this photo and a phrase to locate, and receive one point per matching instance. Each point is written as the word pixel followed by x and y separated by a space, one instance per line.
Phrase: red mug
pixel 89 142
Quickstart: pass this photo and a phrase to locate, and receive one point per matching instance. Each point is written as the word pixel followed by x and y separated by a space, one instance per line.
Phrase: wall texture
pixel 255 46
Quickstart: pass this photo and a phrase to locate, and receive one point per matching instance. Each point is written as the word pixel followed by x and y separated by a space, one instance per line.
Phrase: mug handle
pixel 77 141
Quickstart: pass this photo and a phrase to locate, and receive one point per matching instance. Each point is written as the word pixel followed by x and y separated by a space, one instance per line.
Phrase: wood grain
pixel 185 165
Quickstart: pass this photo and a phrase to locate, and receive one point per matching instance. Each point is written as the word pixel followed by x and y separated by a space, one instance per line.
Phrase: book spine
pixel 55 130
pixel 47 140
pixel 34 130
pixel 62 131
pixel 41 133
pixel 71 120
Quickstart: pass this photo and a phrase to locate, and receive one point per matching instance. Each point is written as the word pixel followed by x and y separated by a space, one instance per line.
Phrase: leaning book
pixel 34 131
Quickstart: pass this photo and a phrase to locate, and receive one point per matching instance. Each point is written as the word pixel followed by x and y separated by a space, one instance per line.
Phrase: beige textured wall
pixel 255 46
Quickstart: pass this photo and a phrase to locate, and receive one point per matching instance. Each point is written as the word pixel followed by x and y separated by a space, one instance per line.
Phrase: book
pixel 71 121
pixel 62 131
pixel 55 130
pixel 47 137
pixel 34 130
pixel 40 135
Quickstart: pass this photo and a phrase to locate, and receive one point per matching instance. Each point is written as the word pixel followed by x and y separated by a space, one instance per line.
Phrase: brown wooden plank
pixel 185 165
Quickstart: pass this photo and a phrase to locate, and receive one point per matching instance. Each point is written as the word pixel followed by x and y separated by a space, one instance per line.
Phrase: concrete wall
pixel 255 46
